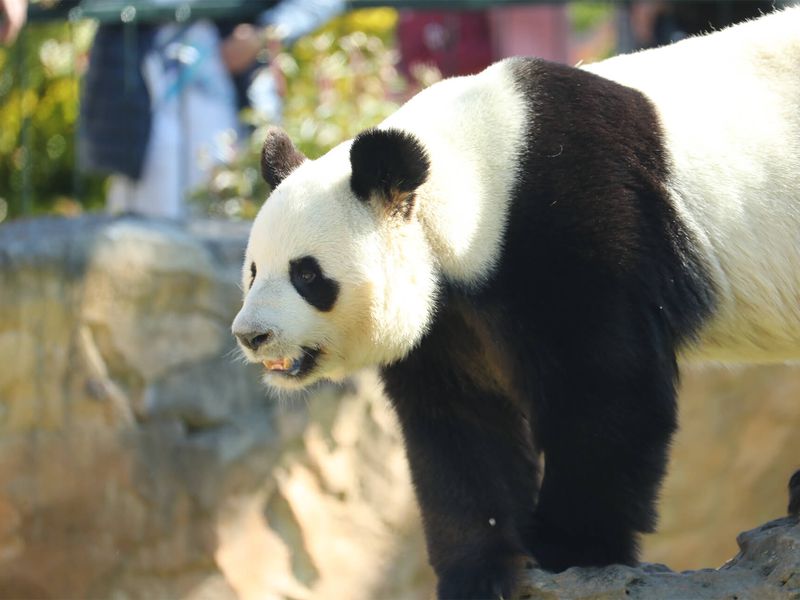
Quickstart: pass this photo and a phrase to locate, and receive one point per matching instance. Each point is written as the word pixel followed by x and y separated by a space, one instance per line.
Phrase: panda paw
pixel 494 579
pixel 794 495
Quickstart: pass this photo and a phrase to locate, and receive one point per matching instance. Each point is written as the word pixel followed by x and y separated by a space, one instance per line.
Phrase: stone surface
pixel 139 458
pixel 767 567
pixel 736 448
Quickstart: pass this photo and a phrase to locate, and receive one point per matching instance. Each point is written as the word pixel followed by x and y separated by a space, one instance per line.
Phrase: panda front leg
pixel 475 475
pixel 605 431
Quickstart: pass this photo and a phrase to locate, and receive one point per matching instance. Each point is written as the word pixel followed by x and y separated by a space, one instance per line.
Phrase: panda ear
pixel 388 165
pixel 279 157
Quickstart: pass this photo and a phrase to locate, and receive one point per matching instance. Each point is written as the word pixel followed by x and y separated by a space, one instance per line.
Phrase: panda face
pixel 337 273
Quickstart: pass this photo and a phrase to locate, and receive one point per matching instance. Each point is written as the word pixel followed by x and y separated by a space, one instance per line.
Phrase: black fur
pixel 309 281
pixel 389 164
pixel 794 495
pixel 279 157
pixel 597 288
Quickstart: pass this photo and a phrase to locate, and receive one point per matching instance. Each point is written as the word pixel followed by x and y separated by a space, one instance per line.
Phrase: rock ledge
pixel 767 567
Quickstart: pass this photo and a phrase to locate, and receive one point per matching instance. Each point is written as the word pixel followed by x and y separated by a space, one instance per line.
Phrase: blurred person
pixel 154 97
pixel 464 42
pixel 12 17
pixel 157 111
pixel 159 106
pixel 197 77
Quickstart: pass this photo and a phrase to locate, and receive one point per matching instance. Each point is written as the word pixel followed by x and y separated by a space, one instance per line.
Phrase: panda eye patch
pixel 252 274
pixel 309 281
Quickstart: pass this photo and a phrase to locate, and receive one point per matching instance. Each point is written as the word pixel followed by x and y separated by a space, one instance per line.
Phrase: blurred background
pixel 139 456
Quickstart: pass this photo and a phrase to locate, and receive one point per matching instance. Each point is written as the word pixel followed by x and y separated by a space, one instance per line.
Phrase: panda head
pixel 337 273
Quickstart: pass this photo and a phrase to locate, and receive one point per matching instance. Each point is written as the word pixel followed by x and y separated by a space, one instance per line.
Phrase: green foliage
pixel 38 112
pixel 587 14
pixel 339 81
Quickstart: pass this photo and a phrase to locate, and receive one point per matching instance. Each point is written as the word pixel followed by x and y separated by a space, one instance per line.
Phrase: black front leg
pixel 474 471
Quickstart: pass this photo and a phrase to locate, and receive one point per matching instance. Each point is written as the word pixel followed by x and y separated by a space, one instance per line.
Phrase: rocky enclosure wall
pixel 139 458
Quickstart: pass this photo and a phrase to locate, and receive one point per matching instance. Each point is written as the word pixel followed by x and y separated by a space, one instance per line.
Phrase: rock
pixel 767 567
pixel 734 453
pixel 139 458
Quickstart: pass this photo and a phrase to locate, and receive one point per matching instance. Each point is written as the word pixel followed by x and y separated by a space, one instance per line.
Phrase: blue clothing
pixel 116 108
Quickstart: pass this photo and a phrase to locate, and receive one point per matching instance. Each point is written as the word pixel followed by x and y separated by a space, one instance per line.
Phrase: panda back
pixel 729 105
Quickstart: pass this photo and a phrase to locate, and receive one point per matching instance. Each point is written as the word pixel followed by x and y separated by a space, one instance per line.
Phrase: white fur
pixel 473 128
pixel 730 106
pixel 383 267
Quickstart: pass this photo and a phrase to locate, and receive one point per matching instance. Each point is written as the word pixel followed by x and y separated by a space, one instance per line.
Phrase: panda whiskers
pixel 235 355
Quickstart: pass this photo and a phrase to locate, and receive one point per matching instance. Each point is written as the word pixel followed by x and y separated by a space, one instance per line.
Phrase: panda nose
pixel 254 339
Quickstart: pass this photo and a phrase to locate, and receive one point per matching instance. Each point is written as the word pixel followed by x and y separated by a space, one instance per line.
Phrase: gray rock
pixel 766 568
pixel 140 458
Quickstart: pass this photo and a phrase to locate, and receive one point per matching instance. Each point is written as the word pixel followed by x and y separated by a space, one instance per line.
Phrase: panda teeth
pixel 290 366
pixel 282 364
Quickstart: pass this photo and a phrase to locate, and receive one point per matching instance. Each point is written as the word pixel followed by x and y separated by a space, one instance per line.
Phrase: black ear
pixel 388 164
pixel 279 157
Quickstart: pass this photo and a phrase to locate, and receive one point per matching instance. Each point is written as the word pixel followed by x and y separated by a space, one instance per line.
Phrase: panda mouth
pixel 294 367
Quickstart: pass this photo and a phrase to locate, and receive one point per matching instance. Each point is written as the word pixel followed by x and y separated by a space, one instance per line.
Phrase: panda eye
pixel 312 284
pixel 252 274
pixel 305 270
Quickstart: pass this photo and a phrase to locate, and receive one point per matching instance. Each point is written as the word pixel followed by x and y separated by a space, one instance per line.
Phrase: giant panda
pixel 526 255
